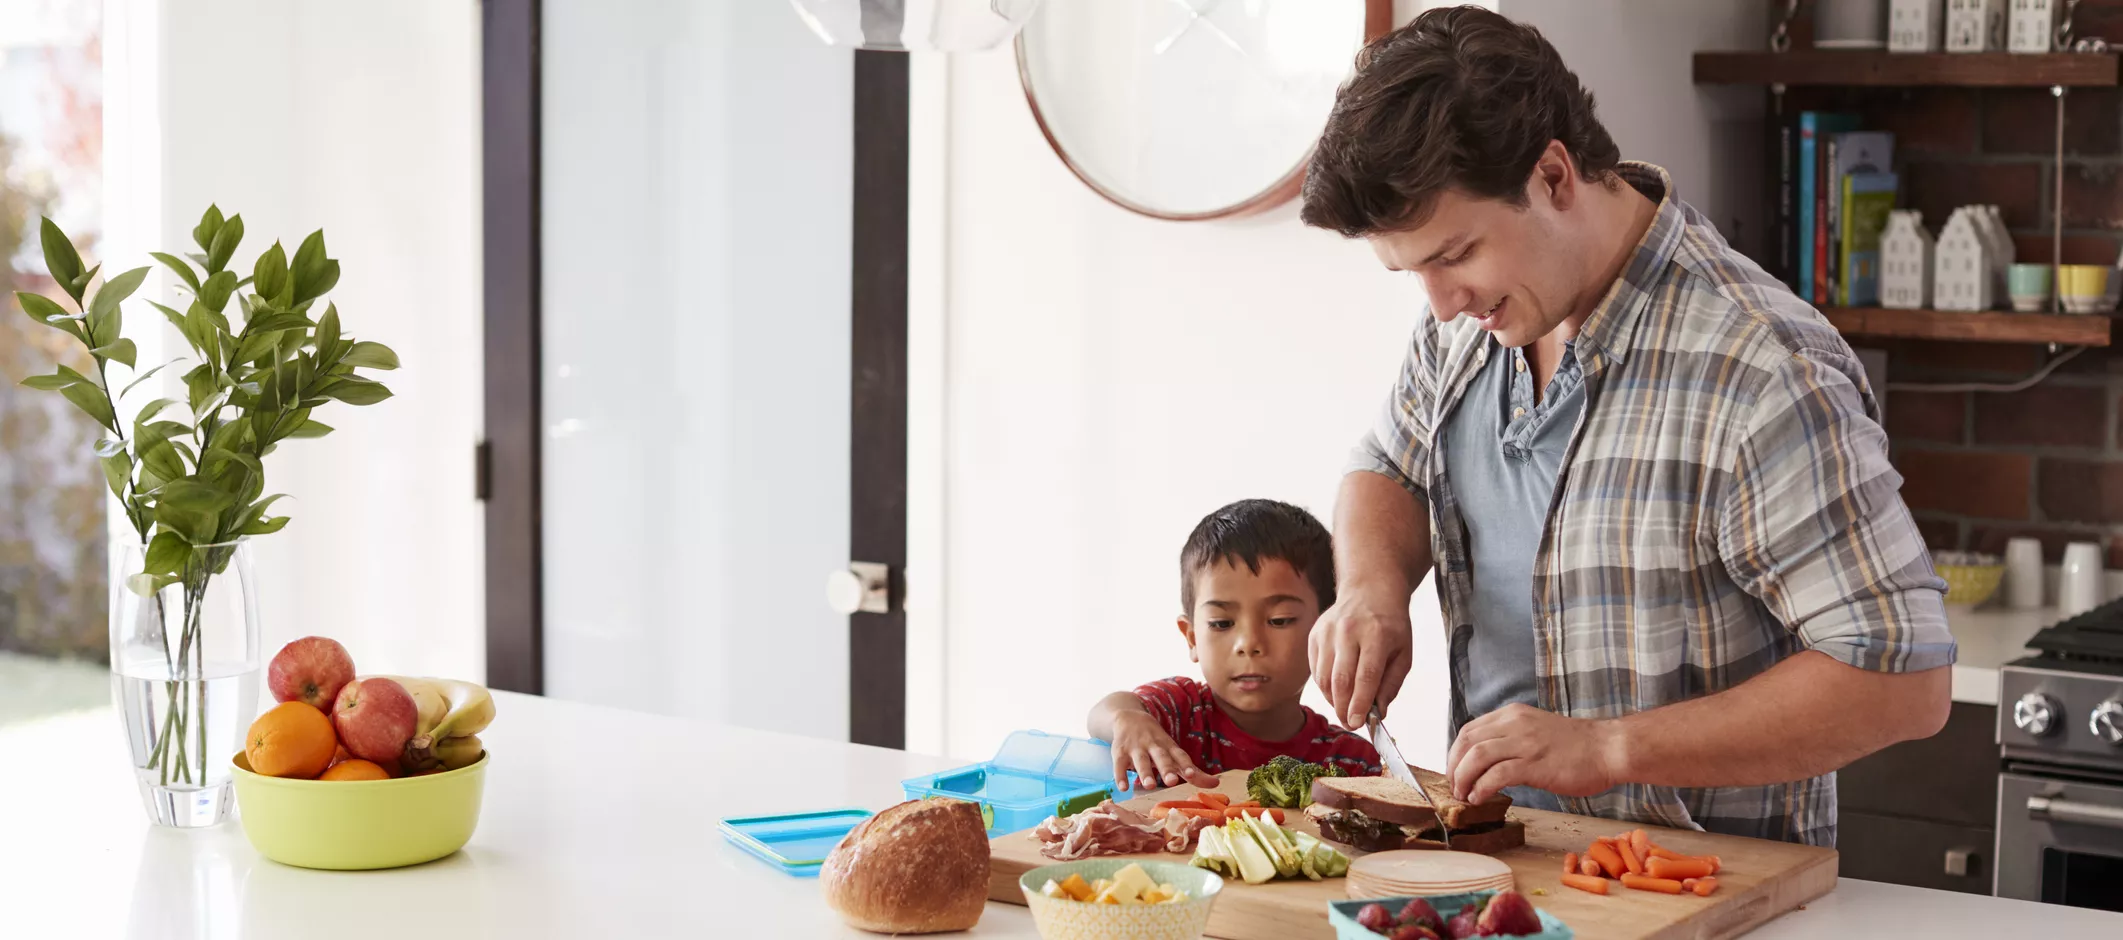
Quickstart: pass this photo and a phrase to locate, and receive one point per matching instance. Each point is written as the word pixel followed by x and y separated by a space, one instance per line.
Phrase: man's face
pixel 1510 267
pixel 1248 631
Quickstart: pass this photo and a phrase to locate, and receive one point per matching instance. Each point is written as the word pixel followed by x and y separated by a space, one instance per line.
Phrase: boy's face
pixel 1248 632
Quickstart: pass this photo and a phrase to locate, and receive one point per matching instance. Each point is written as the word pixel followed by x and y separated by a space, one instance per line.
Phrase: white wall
pixel 361 119
pixel 1108 379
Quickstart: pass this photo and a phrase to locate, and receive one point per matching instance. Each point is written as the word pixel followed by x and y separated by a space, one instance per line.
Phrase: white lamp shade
pixel 916 25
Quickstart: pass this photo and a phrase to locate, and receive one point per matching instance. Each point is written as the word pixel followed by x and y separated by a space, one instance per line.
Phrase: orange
pixel 292 740
pixel 356 770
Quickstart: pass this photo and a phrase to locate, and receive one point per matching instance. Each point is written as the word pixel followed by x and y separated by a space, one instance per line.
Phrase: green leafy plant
pixel 191 488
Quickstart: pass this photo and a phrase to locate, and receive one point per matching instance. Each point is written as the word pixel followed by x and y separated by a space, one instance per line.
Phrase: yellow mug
pixel 2088 281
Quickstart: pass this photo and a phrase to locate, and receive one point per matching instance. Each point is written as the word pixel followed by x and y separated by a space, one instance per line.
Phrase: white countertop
pixel 597 823
pixel 1990 637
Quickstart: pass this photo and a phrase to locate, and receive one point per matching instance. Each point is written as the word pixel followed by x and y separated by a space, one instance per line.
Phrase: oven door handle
pixel 2052 809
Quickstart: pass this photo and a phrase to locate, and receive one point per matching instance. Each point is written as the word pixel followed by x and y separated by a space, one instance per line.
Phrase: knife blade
pixel 1389 755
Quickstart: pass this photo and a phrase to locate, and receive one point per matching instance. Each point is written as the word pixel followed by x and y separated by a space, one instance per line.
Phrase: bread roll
pixel 919 867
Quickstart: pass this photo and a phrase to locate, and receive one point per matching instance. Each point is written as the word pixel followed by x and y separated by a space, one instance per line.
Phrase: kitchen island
pixel 597 823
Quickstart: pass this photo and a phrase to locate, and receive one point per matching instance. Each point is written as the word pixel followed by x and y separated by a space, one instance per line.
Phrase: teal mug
pixel 2029 286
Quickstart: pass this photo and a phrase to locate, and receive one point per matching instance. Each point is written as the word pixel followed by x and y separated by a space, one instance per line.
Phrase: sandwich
pixel 1379 814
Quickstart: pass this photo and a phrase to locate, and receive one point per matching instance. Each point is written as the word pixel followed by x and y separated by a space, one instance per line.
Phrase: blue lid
pixel 1038 753
pixel 797 843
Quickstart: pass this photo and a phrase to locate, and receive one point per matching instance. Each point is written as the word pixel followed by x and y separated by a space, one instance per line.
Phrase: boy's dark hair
pixel 1460 98
pixel 1253 531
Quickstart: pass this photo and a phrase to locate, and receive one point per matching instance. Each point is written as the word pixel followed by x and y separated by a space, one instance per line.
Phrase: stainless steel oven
pixel 2060 794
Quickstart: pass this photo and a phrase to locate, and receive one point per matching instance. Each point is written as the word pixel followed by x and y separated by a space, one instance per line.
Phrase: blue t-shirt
pixel 1503 451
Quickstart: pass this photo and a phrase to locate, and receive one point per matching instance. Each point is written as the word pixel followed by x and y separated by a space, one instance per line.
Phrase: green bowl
pixel 358 825
pixel 1062 919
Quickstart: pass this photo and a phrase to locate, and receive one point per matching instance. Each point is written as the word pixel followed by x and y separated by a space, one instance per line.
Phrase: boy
pixel 1254 575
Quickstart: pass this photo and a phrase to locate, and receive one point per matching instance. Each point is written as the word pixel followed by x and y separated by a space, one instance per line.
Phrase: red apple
pixel 375 718
pixel 310 670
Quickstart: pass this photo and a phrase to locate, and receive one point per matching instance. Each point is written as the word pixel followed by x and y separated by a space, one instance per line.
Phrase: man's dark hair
pixel 1253 531
pixel 1460 98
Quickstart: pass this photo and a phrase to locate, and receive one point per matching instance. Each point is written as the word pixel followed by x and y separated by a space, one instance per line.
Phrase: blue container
pixel 1342 914
pixel 797 843
pixel 1034 775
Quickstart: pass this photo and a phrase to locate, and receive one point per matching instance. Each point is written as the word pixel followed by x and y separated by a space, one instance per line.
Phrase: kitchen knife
pixel 1389 755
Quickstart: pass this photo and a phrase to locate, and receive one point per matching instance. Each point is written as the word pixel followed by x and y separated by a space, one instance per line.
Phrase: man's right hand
pixel 1361 651
pixel 1141 744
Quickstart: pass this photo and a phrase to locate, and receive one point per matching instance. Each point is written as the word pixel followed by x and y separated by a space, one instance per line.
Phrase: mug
pixel 2023 574
pixel 2082 286
pixel 2029 286
pixel 2080 588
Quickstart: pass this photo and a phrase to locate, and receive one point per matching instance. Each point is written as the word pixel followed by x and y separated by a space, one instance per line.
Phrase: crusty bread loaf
pixel 919 867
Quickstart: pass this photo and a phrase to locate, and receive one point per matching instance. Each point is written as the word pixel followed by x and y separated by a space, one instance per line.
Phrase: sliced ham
pixel 1112 829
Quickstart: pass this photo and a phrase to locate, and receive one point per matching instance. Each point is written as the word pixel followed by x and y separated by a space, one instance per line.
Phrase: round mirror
pixel 1191 109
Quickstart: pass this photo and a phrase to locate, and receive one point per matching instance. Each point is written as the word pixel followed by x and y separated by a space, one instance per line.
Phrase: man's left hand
pixel 1519 745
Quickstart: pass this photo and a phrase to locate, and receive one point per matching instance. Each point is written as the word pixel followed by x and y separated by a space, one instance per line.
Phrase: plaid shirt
pixel 1725 502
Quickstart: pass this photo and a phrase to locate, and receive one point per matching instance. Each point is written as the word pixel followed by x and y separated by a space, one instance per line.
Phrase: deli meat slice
pixel 1112 829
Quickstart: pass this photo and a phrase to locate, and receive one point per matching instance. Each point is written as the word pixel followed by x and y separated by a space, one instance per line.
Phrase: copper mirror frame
pixel 1378 21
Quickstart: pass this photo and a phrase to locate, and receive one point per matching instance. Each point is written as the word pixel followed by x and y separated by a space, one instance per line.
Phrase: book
pixel 1848 153
pixel 1782 260
pixel 1814 126
pixel 1866 200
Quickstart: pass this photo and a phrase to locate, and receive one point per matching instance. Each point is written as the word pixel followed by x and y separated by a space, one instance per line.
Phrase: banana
pixel 465 709
pixel 459 752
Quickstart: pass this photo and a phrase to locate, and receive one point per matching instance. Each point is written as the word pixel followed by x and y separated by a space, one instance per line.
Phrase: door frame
pixel 510 457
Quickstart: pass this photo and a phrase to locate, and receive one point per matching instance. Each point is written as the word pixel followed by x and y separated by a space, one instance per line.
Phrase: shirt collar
pixel 1612 324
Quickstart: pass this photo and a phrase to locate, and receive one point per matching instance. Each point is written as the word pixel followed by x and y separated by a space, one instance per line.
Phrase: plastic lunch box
pixel 1033 775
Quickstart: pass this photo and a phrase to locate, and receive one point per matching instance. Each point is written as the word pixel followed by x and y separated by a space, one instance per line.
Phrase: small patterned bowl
pixel 1064 919
pixel 1971 577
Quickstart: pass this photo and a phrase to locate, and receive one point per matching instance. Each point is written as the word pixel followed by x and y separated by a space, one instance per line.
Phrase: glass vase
pixel 184 675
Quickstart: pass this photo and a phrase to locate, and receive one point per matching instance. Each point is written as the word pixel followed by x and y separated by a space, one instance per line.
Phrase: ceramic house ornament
pixel 1916 26
pixel 2030 24
pixel 1975 25
pixel 1905 261
pixel 1963 274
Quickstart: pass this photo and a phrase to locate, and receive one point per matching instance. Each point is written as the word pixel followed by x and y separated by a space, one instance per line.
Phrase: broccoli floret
pixel 1286 782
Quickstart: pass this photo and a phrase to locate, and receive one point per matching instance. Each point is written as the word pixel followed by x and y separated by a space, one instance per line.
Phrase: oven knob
pixel 2107 722
pixel 2035 714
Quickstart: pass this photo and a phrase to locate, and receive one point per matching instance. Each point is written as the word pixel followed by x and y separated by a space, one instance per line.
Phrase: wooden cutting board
pixel 1760 880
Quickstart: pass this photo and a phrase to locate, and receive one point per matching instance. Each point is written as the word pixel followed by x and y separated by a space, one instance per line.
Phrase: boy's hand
pixel 1141 744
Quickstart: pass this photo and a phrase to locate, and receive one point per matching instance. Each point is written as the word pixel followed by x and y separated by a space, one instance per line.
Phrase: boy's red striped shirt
pixel 1187 710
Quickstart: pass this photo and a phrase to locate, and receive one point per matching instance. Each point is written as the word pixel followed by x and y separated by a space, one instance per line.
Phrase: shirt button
pixel 1518 412
pixel 1520 364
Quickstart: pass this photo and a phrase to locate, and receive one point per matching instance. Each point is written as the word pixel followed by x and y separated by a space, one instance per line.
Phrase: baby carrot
pixel 1586 883
pixel 1654 850
pixel 1640 842
pixel 1629 856
pixel 1648 883
pixel 1587 866
pixel 1678 868
pixel 1688 884
pixel 1609 857
pixel 1212 799
pixel 1570 863
pixel 1203 812
pixel 1179 804
pixel 1716 864
pixel 1703 887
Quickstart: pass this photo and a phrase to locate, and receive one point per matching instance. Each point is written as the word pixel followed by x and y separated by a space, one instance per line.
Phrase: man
pixel 1679 582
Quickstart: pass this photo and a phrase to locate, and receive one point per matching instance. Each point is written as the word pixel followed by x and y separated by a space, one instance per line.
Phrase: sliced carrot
pixel 1212 799
pixel 1587 866
pixel 1703 887
pixel 1648 883
pixel 1678 868
pixel 1629 856
pixel 1586 883
pixel 1609 857
pixel 1570 863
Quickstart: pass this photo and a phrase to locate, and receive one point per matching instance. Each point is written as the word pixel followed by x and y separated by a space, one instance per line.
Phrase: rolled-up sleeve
pixel 1398 444
pixel 1813 524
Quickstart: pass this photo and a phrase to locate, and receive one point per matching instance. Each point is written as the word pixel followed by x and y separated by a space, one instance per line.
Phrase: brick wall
pixel 1979 467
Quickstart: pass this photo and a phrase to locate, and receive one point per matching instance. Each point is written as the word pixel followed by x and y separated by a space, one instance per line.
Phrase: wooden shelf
pixel 1989 326
pixel 1827 67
